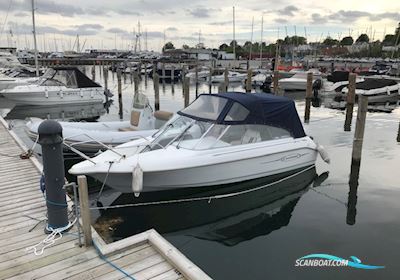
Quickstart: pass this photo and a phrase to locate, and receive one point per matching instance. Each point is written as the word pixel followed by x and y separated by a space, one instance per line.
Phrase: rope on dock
pixel 208 198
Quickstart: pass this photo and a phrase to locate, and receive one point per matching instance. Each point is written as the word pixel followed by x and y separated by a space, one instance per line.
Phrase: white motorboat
pixel 7 82
pixel 202 73
pixel 232 77
pixel 377 90
pixel 298 81
pixel 218 139
pixel 336 82
pixel 59 85
pixel 94 136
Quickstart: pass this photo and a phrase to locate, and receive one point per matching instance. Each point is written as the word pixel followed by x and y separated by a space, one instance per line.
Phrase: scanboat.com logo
pixel 329 260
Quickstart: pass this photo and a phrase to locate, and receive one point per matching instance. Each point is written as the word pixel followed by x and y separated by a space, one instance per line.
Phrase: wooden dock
pixel 143 256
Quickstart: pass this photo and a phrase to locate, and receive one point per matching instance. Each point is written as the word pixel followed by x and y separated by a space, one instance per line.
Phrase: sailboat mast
pixel 234 42
pixel 251 38
pixel 34 38
pixel 261 39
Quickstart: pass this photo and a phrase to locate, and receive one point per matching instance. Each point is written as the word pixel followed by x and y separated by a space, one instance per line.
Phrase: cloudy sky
pixel 112 23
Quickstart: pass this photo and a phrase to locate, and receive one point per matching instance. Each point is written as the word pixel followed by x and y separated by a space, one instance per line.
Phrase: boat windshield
pixel 206 107
pixel 65 78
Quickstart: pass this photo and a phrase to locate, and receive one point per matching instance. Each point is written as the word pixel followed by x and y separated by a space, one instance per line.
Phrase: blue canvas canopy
pixel 259 108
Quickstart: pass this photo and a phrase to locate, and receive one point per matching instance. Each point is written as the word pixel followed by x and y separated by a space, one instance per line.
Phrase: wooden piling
pixel 359 130
pixel 186 83
pixel 308 97
pixel 352 195
pixel 163 71
pixel 398 134
pixel 210 78
pixel 156 81
pixel 172 74
pixel 276 82
pixel 119 80
pixel 84 210
pixel 93 73
pixel 350 98
pixel 197 79
pixel 226 79
pixel 136 81
pixel 248 80
pixel 105 75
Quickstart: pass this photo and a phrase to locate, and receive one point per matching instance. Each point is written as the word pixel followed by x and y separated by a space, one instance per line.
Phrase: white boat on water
pixel 336 82
pixel 218 139
pixel 232 77
pixel 94 136
pixel 59 85
pixel 299 80
pixel 201 74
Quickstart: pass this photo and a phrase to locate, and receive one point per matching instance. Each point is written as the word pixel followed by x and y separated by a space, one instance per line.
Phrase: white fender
pixel 323 153
pixel 137 180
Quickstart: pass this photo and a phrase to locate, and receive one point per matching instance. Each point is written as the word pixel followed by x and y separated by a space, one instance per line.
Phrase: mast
pixel 261 38
pixel 234 42
pixel 34 39
pixel 251 38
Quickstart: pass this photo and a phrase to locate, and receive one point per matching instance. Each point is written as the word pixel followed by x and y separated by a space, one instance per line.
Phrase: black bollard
pixel 50 138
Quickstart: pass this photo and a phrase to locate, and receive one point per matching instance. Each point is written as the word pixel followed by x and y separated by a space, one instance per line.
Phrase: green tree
pixel 223 47
pixel 347 41
pixel 185 47
pixel 330 42
pixel 363 38
pixel 168 46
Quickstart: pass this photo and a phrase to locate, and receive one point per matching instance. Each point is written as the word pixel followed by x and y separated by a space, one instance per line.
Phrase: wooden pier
pixel 143 256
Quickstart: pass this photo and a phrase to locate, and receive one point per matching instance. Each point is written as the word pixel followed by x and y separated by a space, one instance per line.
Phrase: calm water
pixel 259 235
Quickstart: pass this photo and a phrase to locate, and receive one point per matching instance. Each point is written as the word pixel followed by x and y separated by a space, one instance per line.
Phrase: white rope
pixel 55 235
pixel 209 198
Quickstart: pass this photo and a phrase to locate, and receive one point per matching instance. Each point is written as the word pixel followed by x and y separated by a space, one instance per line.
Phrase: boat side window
pixel 237 113
pixel 206 107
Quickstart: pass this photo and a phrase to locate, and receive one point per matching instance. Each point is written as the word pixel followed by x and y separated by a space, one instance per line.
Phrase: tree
pixel 363 38
pixel 223 47
pixel 233 42
pixel 185 47
pixel 168 46
pixel 347 41
pixel 330 42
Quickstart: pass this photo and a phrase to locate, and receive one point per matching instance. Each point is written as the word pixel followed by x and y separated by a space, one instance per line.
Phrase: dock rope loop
pixel 50 239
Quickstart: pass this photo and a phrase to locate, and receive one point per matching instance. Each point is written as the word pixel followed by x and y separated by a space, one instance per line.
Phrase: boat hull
pixel 239 170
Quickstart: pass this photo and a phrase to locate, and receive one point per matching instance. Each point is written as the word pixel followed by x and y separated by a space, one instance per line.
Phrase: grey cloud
pixel 127 12
pixel 172 28
pixel 26 28
pixel 201 12
pixel 155 34
pixel 117 30
pixel 281 20
pixel 21 14
pixel 220 22
pixel 89 26
pixel 318 19
pixel 288 10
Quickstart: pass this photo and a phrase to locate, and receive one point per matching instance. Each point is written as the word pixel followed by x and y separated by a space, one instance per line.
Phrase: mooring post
pixel 352 196
pixel 94 72
pixel 359 130
pixel 276 82
pixel 145 70
pixel 163 71
pixel 120 94
pixel 85 211
pixel 136 81
pixel 51 139
pixel 248 80
pixel 308 97
pixel 139 68
pixel 156 82
pixel 186 83
pixel 105 75
pixel 172 74
pixel 210 79
pixel 350 98
pixel 197 79
pixel 398 134
pixel 226 79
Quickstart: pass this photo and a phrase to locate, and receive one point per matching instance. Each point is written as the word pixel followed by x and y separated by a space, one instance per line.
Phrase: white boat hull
pixel 190 169
pixel 54 96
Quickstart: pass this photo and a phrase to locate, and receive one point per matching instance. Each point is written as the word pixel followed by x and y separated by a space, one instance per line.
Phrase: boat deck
pixel 22 207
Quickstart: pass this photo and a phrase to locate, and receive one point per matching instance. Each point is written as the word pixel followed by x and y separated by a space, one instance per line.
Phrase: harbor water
pixel 260 234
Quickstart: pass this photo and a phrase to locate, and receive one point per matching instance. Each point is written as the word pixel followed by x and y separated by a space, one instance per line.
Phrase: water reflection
pixel 228 221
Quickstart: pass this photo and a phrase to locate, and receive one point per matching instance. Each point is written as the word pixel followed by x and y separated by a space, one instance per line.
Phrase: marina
pixel 136 146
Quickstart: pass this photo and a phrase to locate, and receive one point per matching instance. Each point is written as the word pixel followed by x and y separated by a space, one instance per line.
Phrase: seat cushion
pixel 135 116
pixel 129 128
pixel 163 115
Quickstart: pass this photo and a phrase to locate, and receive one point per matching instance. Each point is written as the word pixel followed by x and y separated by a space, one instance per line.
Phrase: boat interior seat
pixel 135 117
pixel 163 115
pixel 251 136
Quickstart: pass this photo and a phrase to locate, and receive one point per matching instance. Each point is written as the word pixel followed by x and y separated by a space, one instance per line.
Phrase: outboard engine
pixel 316 86
pixel 266 86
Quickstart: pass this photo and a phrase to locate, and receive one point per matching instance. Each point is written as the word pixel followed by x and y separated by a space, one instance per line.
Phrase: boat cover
pixel 338 76
pixel 261 108
pixel 375 83
pixel 81 80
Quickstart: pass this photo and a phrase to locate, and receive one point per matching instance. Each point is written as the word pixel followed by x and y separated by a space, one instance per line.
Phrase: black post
pixel 50 138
